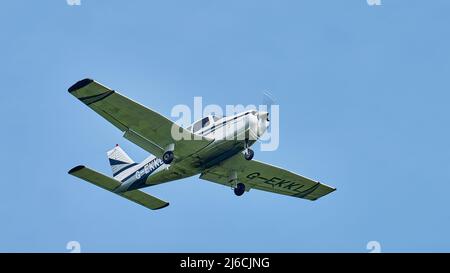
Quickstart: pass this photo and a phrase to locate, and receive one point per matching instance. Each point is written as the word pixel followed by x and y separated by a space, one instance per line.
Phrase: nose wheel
pixel 248 153
pixel 240 189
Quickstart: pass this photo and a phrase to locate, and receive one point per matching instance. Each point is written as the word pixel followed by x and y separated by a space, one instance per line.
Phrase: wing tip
pixel 163 206
pixel 332 189
pixel 75 169
pixel 80 84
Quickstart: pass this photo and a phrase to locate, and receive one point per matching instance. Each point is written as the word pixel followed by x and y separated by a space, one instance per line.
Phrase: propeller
pixel 264 113
pixel 267 101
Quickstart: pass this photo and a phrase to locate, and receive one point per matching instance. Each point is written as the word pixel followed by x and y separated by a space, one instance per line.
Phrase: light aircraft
pixel 205 148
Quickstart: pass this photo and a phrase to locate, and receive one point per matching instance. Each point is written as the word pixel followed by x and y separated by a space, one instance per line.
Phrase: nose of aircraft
pixel 262 115
pixel 263 122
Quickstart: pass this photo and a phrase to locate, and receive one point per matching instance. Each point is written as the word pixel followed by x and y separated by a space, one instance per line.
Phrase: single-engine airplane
pixel 205 148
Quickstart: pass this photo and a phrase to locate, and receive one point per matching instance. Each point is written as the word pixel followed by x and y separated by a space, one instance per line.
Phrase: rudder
pixel 119 161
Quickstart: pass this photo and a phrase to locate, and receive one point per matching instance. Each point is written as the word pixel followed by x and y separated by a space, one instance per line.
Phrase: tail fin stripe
pixel 116 162
pixel 124 168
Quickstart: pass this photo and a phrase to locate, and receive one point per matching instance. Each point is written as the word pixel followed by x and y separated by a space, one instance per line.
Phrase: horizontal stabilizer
pixel 111 184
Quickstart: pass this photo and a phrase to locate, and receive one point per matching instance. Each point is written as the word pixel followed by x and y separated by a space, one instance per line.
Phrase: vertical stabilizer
pixel 119 161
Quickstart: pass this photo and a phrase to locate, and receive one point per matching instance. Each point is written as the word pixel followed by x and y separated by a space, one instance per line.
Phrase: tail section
pixel 111 185
pixel 119 161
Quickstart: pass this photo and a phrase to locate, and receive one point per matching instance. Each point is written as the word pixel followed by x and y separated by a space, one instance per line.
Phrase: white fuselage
pixel 249 125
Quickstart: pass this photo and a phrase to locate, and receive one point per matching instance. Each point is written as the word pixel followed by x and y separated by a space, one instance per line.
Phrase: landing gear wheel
pixel 249 154
pixel 168 157
pixel 240 189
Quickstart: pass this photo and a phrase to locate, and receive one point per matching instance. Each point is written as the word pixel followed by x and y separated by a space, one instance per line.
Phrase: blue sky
pixel 363 94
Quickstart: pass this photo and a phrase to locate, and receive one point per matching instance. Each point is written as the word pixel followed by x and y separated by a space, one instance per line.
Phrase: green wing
pixel 111 184
pixel 262 176
pixel 142 126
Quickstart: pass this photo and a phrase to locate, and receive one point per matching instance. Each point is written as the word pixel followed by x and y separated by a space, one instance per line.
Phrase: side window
pixel 205 122
pixel 197 126
pixel 201 124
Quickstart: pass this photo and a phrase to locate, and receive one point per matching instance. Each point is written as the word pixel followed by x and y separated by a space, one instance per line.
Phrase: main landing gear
pixel 168 155
pixel 248 153
pixel 240 189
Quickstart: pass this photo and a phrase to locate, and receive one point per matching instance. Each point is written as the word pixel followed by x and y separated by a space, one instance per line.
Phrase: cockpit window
pixel 201 124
